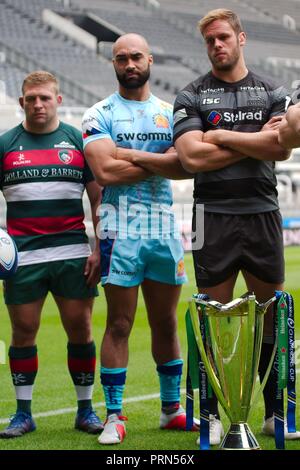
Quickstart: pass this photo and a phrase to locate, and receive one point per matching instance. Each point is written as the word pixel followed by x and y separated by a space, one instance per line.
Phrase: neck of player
pixel 137 94
pixel 44 128
pixel 237 73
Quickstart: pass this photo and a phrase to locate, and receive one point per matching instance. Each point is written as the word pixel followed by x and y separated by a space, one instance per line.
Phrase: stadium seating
pixel 170 27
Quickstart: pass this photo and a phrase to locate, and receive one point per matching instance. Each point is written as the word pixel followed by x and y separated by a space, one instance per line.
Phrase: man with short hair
pixel 226 131
pixel 289 129
pixel 128 145
pixel 43 177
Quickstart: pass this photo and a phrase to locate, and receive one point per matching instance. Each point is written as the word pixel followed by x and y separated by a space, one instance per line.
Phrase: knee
pixel 119 328
pixel 23 331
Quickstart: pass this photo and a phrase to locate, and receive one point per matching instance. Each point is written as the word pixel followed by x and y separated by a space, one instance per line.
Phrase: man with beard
pixel 128 145
pixel 226 131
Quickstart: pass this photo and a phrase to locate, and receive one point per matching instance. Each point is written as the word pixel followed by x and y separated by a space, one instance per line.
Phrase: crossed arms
pixel 114 165
pixel 213 150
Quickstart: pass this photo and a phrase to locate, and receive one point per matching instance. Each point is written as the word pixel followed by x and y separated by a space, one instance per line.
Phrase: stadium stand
pixel 170 27
pixel 278 10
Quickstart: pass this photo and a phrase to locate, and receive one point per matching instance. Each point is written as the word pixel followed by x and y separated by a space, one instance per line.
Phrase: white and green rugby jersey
pixel 43 177
pixel 142 125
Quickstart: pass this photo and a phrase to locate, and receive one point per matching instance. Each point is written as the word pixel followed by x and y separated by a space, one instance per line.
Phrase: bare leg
pixel 161 302
pixel 25 321
pixel 121 307
pixel 76 317
pixel 221 292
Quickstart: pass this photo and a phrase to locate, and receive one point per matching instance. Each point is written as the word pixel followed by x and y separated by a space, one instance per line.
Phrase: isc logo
pixel 211 100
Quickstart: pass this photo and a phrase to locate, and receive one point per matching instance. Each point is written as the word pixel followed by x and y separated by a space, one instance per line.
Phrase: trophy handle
pixel 262 385
pixel 261 309
pixel 209 370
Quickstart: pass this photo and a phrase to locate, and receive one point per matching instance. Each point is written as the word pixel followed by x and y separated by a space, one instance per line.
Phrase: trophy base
pixel 239 437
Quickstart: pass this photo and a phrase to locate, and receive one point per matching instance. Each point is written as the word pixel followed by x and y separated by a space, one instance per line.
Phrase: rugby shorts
pixel 252 242
pixel 64 278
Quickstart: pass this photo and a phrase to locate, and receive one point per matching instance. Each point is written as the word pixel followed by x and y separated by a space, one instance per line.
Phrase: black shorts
pixel 253 242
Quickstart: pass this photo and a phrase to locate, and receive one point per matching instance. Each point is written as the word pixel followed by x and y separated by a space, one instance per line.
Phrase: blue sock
pixel 169 378
pixel 113 382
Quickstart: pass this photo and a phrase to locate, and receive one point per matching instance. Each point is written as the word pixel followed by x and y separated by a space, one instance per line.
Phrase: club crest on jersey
pixel 65 156
pixel 161 121
pixel 214 118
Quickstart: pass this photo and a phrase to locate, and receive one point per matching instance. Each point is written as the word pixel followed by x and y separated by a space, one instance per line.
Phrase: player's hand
pixel 273 124
pixel 92 269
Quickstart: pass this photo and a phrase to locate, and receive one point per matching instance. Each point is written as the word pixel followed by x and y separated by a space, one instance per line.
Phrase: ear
pixel 242 38
pixel 150 59
pixel 59 99
pixel 21 102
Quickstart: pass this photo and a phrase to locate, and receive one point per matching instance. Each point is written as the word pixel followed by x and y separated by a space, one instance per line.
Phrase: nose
pixel 218 43
pixel 38 103
pixel 130 65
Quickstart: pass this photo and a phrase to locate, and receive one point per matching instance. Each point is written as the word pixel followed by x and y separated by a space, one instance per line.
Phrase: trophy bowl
pixel 231 354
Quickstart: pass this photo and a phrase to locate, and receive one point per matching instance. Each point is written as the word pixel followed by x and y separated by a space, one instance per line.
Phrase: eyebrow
pixel 131 54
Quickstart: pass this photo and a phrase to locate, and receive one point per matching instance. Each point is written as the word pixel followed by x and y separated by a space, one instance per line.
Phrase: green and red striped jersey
pixel 43 177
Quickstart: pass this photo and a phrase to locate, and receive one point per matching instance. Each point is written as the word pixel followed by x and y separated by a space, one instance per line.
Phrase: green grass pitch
pixel 54 396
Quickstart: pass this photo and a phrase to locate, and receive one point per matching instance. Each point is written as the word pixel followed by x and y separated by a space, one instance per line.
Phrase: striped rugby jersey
pixel 248 186
pixel 43 177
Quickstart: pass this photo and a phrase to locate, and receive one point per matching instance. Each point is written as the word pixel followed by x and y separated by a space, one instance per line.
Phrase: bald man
pixel 128 145
pixel 289 129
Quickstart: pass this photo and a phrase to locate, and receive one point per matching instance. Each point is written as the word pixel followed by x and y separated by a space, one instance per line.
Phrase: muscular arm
pixel 101 157
pixel 258 145
pixel 166 164
pixel 289 130
pixel 197 155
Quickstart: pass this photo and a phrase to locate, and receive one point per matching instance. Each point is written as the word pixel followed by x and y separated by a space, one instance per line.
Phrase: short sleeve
pixel 95 126
pixel 280 103
pixel 186 116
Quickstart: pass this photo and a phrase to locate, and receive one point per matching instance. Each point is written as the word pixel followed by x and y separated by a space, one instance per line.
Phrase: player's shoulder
pixel 70 130
pixel 101 107
pixel 10 136
pixel 164 105
pixel 201 82
pixel 70 135
pixel 191 91
pixel 264 82
pixel 12 133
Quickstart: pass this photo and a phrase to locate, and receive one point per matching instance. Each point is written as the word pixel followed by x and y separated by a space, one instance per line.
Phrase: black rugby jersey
pixel 207 103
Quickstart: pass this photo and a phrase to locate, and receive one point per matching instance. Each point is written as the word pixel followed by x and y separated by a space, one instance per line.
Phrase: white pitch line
pixel 100 404
pixel 63 411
